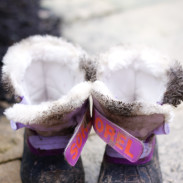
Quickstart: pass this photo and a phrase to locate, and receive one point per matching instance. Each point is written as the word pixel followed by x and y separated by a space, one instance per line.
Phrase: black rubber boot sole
pixel 119 173
pixel 49 169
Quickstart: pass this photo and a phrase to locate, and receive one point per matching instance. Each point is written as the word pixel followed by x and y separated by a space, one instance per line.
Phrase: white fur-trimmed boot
pixel 133 96
pixel 48 76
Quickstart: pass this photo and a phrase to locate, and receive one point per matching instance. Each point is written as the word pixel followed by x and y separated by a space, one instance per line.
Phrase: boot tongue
pixel 140 126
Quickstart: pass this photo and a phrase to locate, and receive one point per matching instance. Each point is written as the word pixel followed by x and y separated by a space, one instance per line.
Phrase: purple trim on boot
pixel 40 152
pixel 163 129
pixel 48 143
pixel 115 158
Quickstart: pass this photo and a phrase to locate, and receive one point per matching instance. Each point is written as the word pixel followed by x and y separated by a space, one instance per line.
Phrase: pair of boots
pixel 126 94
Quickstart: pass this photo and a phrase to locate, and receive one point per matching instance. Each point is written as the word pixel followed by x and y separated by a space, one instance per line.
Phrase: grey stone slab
pixel 11 142
pixel 10 172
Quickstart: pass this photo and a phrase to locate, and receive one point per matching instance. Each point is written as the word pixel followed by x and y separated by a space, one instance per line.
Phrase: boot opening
pixel 47 72
pixel 132 76
pixel 48 81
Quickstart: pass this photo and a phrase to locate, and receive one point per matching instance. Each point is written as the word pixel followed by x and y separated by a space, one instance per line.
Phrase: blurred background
pixel 95 25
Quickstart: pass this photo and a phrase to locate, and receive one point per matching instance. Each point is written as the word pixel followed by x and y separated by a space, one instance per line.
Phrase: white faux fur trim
pixel 36 114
